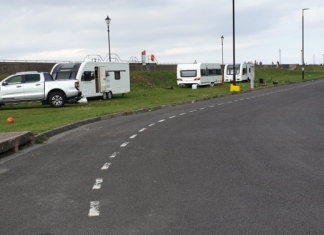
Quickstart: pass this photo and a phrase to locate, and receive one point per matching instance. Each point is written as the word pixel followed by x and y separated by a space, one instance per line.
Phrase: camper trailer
pixel 200 74
pixel 97 79
pixel 243 72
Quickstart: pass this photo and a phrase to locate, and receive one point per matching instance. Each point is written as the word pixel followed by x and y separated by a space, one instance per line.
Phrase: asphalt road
pixel 251 163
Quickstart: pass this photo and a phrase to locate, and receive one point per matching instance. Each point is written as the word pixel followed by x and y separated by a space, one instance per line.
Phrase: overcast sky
pixel 175 31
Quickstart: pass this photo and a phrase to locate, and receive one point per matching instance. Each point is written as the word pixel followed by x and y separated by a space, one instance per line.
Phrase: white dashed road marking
pixel 162 120
pixel 133 136
pixel 105 166
pixel 172 117
pixel 182 114
pixel 94 208
pixel 141 130
pixel 152 124
pixel 124 144
pixel 97 185
pixel 113 155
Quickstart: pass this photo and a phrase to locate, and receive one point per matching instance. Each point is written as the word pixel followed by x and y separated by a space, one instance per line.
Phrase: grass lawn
pixel 148 90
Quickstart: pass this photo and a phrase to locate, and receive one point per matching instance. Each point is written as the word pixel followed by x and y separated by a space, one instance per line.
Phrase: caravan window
pixel 230 70
pixel 188 73
pixel 244 71
pixel 86 76
pixel 205 72
pixel 117 75
pixel 214 72
pixel 73 75
pixel 62 76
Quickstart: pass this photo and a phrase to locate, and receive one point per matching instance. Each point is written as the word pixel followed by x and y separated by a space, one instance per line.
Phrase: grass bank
pixel 148 90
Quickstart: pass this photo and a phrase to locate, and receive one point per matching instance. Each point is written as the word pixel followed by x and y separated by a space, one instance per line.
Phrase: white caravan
pixel 200 74
pixel 97 78
pixel 243 72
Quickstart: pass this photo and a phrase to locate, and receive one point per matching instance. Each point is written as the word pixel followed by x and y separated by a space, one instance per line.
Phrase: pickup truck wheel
pixel 110 95
pixel 56 99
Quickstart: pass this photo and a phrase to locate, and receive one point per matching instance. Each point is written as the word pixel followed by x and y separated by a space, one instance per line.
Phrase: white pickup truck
pixel 38 86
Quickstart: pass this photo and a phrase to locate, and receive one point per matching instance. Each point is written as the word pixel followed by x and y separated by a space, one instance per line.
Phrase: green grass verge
pixel 148 90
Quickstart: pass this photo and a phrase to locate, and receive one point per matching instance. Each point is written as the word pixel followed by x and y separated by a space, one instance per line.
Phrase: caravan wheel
pixel 104 95
pixel 109 95
pixel 212 84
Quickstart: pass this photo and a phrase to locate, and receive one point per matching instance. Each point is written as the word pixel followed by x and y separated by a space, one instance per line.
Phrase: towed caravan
pixel 200 74
pixel 243 72
pixel 97 78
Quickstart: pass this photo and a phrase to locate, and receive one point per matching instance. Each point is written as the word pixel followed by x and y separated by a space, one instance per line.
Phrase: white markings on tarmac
pixel 106 166
pixel 97 184
pixel 162 120
pixel 94 209
pixel 124 144
pixel 133 136
pixel 141 130
pixel 182 114
pixel 113 155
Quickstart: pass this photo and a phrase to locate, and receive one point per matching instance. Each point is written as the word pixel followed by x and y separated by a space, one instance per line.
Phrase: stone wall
pixel 8 68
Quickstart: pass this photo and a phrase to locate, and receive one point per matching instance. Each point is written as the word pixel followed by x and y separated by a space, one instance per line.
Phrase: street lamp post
pixel 303 62
pixel 222 38
pixel 108 22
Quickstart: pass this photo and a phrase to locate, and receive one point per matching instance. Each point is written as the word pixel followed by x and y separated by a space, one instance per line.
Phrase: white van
pixel 97 78
pixel 200 74
pixel 243 72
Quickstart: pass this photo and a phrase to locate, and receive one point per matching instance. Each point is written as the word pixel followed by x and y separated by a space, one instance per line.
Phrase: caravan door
pixel 102 79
